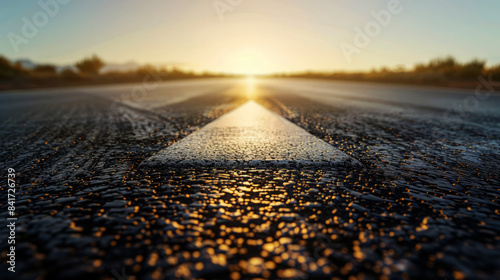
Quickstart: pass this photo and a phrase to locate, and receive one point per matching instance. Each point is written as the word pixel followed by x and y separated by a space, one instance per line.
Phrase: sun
pixel 248 62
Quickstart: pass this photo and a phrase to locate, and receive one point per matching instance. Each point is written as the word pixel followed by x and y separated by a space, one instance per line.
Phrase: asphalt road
pixel 392 95
pixel 152 94
pixel 423 203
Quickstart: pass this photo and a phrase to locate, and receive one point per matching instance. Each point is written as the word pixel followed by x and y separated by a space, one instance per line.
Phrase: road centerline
pixel 250 135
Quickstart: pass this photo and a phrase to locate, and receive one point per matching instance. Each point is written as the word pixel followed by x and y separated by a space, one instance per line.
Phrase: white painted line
pixel 251 136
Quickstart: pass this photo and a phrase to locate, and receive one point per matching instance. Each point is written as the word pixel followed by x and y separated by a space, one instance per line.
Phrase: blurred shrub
pixel 46 69
pixel 9 70
pixel 90 65
pixel 438 71
pixel 70 75
pixel 494 72
pixel 470 70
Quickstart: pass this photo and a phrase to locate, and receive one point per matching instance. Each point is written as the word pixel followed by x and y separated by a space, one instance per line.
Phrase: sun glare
pixel 250 87
pixel 248 61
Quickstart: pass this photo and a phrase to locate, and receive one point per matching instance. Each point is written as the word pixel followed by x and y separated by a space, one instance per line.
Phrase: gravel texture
pixel 424 203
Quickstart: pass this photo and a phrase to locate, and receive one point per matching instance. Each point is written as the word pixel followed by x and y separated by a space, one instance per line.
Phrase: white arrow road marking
pixel 250 136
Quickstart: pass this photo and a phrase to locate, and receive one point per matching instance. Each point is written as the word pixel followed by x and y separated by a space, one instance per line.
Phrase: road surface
pixel 423 203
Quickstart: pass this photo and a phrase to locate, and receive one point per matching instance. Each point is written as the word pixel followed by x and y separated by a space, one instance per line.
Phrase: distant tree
pixel 69 74
pixel 494 71
pixel 442 64
pixel 471 70
pixel 6 69
pixel 90 65
pixel 9 70
pixel 45 68
pixel 400 68
pixel 146 70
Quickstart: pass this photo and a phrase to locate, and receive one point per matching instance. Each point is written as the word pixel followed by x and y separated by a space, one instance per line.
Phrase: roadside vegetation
pixel 84 72
pixel 445 71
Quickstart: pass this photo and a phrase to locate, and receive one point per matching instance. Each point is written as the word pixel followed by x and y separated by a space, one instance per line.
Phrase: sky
pixel 252 36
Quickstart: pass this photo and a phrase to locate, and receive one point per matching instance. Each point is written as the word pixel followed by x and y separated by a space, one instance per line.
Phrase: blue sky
pixel 256 36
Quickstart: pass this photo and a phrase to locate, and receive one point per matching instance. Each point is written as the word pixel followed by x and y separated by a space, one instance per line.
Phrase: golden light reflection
pixel 250 87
